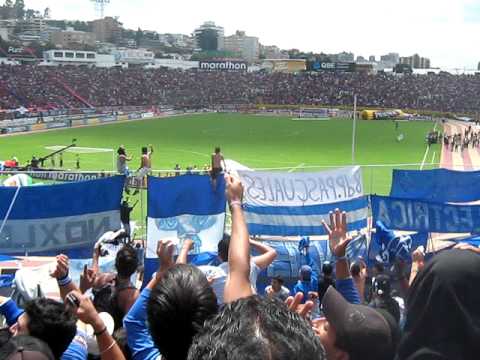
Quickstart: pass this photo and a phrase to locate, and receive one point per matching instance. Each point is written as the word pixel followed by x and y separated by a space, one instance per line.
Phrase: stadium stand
pixel 71 87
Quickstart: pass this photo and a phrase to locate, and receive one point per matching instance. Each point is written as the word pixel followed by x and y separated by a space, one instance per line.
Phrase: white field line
pixel 296 167
pixel 433 158
pixel 424 157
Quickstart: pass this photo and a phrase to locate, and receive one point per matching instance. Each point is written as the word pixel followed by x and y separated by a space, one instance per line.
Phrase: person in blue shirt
pixel 175 289
pixel 308 275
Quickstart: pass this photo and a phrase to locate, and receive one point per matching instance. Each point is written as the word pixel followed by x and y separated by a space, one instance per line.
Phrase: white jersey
pixel 219 275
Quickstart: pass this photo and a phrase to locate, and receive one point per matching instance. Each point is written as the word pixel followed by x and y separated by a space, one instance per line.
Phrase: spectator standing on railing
pixel 218 166
pixel 145 167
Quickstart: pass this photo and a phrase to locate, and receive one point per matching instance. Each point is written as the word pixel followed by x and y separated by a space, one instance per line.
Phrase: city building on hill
pixel 247 47
pixel 416 62
pixel 209 37
pixel 107 29
pixel 342 57
pixel 272 52
pixel 393 58
pixel 71 38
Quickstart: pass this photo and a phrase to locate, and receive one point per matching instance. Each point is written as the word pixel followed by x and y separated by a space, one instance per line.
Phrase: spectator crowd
pixel 45 87
pixel 339 310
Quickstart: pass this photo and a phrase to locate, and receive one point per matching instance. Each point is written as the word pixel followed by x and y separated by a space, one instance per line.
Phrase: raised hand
pixel 61 268
pixel 337 233
pixel 87 279
pixel 294 304
pixel 234 190
pixel 83 307
pixel 165 249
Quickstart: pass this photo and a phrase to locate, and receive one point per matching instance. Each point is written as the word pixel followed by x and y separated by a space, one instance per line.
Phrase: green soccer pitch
pixel 255 141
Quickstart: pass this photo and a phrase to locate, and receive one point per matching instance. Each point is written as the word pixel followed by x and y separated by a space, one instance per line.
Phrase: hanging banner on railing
pixel 425 216
pixel 185 207
pixel 264 188
pixel 58 217
pixel 439 185
pixel 291 204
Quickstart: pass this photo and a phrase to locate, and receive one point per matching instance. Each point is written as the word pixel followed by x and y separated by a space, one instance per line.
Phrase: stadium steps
pixel 72 92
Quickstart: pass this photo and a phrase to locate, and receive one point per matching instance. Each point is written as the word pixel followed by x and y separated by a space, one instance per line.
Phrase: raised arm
pixel 139 339
pixel 238 280
pixel 109 349
pixel 61 273
pixel 338 241
pixel 418 262
pixel 183 256
pixel 267 254
pixel 165 249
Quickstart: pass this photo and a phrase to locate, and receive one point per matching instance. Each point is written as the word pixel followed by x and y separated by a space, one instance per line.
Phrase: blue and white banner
pixel 303 220
pixel 58 218
pixel 425 216
pixel 185 207
pixel 386 247
pixel 439 185
pixel 294 204
pixel 264 188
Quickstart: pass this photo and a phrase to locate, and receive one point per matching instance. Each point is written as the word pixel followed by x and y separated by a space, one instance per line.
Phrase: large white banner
pixel 301 188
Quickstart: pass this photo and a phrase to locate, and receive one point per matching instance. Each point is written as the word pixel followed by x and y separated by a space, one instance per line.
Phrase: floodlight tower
pixel 100 6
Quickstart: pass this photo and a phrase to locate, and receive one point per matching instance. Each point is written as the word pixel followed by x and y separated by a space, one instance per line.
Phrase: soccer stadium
pixel 204 196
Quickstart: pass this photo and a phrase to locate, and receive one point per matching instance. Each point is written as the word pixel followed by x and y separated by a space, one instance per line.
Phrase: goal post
pixel 77 150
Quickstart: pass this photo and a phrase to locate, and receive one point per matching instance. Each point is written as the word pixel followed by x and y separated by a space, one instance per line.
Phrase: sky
pixel 446 31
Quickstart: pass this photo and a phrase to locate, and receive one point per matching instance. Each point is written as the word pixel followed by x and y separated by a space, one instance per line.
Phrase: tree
pixel 19 8
pixel 208 40
pixel 8 3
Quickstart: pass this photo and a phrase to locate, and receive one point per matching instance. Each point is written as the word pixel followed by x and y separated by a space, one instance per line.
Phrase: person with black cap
pixel 355 332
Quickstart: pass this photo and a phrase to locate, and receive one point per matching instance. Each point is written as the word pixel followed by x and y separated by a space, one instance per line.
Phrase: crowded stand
pixel 44 87
pixel 338 309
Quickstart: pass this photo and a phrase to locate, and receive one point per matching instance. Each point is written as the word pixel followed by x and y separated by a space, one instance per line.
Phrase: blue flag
pixel 386 247
pixel 66 218
pixel 185 207
pixel 425 216
pixel 438 185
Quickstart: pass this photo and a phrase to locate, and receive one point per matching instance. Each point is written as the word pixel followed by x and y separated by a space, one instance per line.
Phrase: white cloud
pixel 443 30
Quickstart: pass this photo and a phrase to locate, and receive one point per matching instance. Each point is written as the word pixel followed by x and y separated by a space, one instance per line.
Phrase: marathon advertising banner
pixel 65 176
pixel 226 65
pixel 70 176
pixel 331 66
